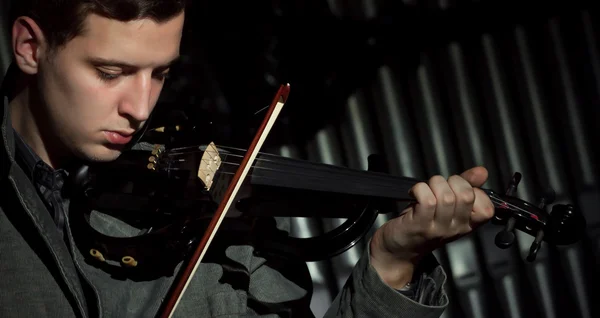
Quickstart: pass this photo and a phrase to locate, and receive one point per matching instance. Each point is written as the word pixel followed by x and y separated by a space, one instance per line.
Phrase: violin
pixel 181 196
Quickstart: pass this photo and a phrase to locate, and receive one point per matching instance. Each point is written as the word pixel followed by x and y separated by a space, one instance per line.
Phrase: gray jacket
pixel 43 274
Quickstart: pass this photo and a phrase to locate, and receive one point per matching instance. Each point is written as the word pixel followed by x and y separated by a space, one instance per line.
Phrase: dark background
pixel 435 86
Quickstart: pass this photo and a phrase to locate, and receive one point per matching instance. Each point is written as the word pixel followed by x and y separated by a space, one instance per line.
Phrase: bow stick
pixel 187 273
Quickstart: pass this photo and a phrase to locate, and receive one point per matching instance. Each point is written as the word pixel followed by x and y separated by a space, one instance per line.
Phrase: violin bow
pixel 187 273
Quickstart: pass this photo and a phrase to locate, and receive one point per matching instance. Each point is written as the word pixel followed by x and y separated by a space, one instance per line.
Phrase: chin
pixel 102 153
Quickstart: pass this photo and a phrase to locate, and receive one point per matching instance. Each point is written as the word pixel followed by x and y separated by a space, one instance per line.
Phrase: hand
pixel 445 211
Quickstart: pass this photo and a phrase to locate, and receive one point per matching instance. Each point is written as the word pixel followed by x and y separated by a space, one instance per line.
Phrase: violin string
pixel 235 163
pixel 234 155
pixel 242 152
pixel 384 179
pixel 257 160
pixel 226 164
pixel 289 163
pixel 231 173
pixel 512 206
pixel 496 200
pixel 279 162
pixel 265 177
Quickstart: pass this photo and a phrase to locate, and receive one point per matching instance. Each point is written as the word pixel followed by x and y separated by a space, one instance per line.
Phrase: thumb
pixel 476 176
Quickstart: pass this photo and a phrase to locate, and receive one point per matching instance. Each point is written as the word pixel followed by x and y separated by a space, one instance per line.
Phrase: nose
pixel 137 100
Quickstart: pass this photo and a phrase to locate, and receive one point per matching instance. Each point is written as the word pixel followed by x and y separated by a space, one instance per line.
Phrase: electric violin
pixel 181 196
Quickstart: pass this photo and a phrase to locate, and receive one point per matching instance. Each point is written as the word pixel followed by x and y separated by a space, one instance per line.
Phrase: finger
pixel 424 210
pixel 465 199
pixel 483 209
pixel 476 176
pixel 445 199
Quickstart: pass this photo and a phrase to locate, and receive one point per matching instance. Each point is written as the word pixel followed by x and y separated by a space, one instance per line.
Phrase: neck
pixel 27 120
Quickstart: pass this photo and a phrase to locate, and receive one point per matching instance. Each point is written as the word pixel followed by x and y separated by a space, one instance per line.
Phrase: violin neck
pixel 275 171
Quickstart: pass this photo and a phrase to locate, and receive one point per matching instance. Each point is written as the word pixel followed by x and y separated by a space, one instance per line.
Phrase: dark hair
pixel 62 20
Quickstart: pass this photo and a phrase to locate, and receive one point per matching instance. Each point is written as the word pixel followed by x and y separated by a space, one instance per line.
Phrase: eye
pixel 104 76
pixel 161 76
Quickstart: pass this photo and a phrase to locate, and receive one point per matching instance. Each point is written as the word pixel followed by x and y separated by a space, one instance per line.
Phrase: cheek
pixel 155 94
pixel 88 99
pixel 67 89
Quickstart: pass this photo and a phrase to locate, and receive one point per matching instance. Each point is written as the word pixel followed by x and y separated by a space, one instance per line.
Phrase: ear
pixel 28 44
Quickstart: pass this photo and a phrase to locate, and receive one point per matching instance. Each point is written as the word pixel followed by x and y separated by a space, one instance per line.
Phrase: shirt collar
pixel 35 168
pixel 25 156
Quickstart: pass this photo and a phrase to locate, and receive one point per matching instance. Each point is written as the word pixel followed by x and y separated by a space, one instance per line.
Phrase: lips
pixel 118 138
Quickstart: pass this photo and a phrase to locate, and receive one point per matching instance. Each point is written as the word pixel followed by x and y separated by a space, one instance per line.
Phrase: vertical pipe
pixel 324 290
pixel 581 158
pixel 592 46
pixel 399 139
pixel 396 126
pixel 571 109
pixel 550 166
pixel 326 149
pixel 500 263
pixel 358 138
pixel 589 199
pixel 434 128
pixel 510 151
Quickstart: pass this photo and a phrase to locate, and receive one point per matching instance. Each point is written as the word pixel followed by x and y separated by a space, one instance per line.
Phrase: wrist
pixel 394 269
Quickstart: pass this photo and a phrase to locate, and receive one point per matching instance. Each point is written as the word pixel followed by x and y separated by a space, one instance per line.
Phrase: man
pixel 86 76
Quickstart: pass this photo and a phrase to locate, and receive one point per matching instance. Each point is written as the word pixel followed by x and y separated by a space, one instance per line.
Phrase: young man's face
pixel 102 85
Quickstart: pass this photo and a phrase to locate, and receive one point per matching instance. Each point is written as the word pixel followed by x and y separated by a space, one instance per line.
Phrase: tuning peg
pixel 512 185
pixel 547 198
pixel 376 162
pixel 535 246
pixel 566 225
pixel 505 238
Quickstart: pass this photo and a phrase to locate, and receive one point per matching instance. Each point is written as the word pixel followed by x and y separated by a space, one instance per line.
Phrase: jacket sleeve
pixel 366 295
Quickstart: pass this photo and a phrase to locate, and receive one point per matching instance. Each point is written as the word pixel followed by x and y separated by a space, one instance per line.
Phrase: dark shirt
pixel 48 181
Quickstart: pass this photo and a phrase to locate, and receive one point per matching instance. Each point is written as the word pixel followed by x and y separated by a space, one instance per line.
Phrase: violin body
pixel 173 208
pixel 161 206
pixel 159 190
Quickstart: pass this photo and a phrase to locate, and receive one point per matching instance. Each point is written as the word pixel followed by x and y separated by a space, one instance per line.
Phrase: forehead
pixel 142 42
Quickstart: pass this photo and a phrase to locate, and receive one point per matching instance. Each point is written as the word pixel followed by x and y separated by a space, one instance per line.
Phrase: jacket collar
pixel 32 207
pixel 7 151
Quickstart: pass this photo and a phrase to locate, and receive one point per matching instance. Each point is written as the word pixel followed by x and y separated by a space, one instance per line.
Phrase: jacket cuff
pixel 428 296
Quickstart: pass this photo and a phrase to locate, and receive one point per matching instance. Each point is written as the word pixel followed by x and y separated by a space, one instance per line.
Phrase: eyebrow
pixel 121 64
